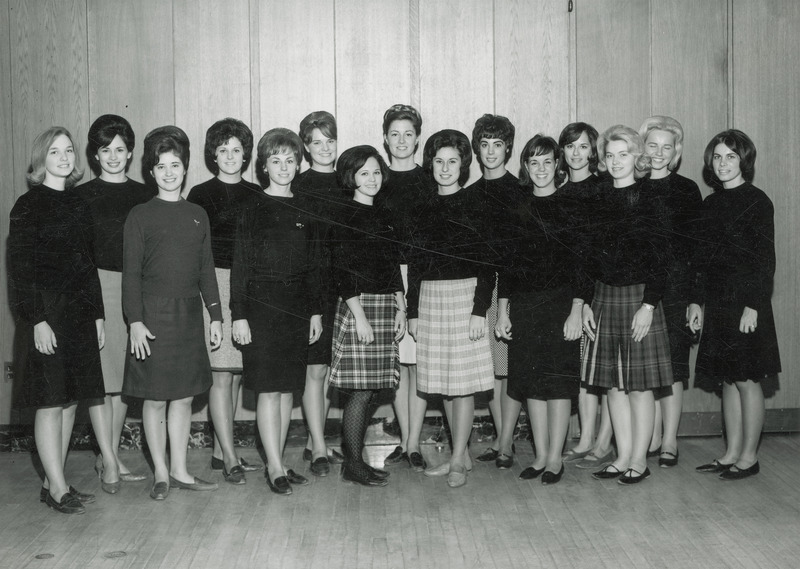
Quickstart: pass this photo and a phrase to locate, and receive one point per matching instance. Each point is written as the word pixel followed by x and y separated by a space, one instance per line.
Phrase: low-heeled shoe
pixel 668 461
pixel 131 477
pixel 198 485
pixel 334 456
pixel 297 479
pixel 377 472
pixel 504 461
pixel 280 485
pixel 531 473
pixel 552 477
pixel 739 473
pixel 364 479
pixel 441 470
pixel 84 497
pixel 111 487
pixel 591 461
pixel 159 491
pixel 654 453
pixel 571 455
pixel 457 476
pixel 417 462
pixel 235 476
pixel 488 455
pixel 713 467
pixel 320 466
pixel 397 456
pixel 249 467
pixel 217 463
pixel 68 504
pixel 630 478
pixel 607 473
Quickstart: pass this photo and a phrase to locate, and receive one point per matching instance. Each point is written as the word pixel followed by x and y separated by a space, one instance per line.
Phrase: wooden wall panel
pixel 765 88
pixel 531 68
pixel 613 62
pixel 212 71
pixel 131 66
pixel 372 42
pixel 8 184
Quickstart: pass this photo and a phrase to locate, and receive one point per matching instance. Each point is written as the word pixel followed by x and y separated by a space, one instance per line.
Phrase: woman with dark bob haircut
pixel 371 308
pixel 227 153
pixel 111 196
pixel 736 262
pixel 450 290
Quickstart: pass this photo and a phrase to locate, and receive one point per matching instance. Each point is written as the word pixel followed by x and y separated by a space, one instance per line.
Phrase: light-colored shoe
pixel 441 470
pixel 457 476
pixel 592 461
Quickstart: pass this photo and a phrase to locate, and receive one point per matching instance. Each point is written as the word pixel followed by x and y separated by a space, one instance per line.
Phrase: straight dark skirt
pixel 541 363
pixel 681 339
pixel 276 359
pixel 74 372
pixel 177 366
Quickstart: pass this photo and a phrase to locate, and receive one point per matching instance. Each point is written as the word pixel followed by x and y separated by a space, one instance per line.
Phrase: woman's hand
pixel 412 327
pixel 477 327
pixel 694 317
pixel 364 331
pixel 100 324
pixel 314 328
pixel 641 322
pixel 749 320
pixel 589 326
pixel 44 338
pixel 139 336
pixel 240 330
pixel 399 325
pixel 572 326
pixel 502 329
pixel 215 334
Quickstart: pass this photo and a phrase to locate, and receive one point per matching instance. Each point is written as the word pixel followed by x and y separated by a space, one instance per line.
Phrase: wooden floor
pixel 677 518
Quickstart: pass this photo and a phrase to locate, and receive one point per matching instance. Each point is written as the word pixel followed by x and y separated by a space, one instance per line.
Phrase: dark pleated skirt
pixel 178 364
pixel 541 363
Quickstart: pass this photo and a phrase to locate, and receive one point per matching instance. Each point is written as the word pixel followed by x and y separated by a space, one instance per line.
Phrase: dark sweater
pixel 222 203
pixel 110 204
pixel 167 253
pixel 402 195
pixel 50 250
pixel 499 198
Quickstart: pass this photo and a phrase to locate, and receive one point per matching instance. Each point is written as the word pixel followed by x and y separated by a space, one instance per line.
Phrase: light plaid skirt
pixel 448 362
pixel 365 366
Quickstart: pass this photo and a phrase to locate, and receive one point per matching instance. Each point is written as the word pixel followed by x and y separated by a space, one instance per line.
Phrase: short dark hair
pixel 401 112
pixel 163 139
pixel 539 145
pixel 275 141
pixel 221 132
pixel 493 126
pixel 571 133
pixel 352 160
pixel 448 138
pixel 324 121
pixel 102 133
pixel 741 144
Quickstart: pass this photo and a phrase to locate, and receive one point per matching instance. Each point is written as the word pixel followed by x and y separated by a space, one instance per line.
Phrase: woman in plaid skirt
pixel 627 352
pixel 371 310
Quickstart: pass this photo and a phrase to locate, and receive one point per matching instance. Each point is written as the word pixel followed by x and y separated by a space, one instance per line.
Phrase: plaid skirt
pixel 365 366
pixel 613 359
pixel 498 346
pixel 448 362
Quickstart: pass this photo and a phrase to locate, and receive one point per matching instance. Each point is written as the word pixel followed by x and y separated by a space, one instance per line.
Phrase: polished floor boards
pixel 677 518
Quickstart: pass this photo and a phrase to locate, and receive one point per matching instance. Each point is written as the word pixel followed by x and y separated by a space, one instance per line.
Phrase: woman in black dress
pixel 539 281
pixel 275 302
pixel 371 308
pixel 736 262
pixel 58 307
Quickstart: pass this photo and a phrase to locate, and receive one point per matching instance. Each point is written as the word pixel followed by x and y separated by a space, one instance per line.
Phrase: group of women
pixel 582 279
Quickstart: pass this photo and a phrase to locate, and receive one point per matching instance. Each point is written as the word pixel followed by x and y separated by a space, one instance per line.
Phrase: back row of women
pixel 599 239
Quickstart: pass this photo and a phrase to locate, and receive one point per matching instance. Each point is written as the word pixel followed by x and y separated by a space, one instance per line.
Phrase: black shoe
pixel 377 472
pixel 630 477
pixel 297 479
pixel 217 463
pixel 83 497
pixel 417 462
pixel 530 473
pixel 68 504
pixel 397 456
pixel 280 486
pixel 552 477
pixel 669 461
pixel 321 466
pixel 364 478
pixel 739 473
pixel 503 461
pixel 654 453
pixel 159 491
pixel 713 467
pixel 488 455
pixel 608 473
pixel 235 476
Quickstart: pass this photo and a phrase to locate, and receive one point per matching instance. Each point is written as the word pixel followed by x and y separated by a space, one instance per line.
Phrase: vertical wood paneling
pixel 766 84
pixel 212 71
pixel 373 39
pixel 613 59
pixel 531 68
pixel 131 66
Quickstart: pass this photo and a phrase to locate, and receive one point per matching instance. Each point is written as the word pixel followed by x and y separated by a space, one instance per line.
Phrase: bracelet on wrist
pixel 649 307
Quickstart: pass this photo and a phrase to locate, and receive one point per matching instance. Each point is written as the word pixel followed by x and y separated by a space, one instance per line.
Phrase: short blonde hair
pixel 635 145
pixel 667 124
pixel 41 145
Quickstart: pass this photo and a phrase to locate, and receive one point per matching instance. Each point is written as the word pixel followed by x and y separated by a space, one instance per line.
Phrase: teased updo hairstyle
pixel 448 138
pixel 221 132
pixel 741 144
pixel 277 141
pixel 667 124
pixel 539 145
pixel 400 113
pixel 102 132
pixel 493 126
pixel 352 160
pixel 634 143
pixel 164 139
pixel 41 145
pixel 322 120
pixel 571 133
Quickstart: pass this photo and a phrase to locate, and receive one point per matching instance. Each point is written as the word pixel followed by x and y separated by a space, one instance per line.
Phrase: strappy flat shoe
pixel 608 473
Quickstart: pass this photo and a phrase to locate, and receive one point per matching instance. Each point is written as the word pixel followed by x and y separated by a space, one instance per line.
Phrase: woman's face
pixel 322 149
pixel 281 168
pixel 727 166
pixel 60 159
pixel 542 169
pixel 230 157
pixel 113 158
pixel 446 167
pixel 401 138
pixel 492 153
pixel 578 152
pixel 169 172
pixel 369 178
pixel 619 161
pixel 660 147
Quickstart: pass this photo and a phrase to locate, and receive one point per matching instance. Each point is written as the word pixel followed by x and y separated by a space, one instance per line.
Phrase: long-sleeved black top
pixel 736 255
pixel 365 253
pixel 277 241
pixel 110 204
pixel 222 203
pixel 499 198
pixel 402 195
pixel 51 250
pixel 450 243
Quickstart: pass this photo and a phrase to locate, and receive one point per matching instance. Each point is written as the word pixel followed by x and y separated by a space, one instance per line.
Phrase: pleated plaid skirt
pixel 613 359
pixel 448 362
pixel 365 366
